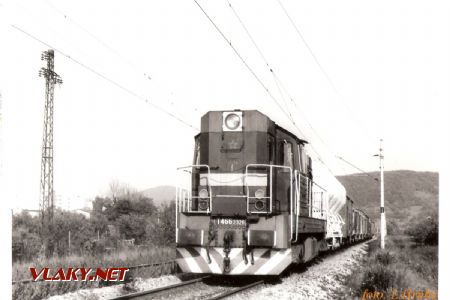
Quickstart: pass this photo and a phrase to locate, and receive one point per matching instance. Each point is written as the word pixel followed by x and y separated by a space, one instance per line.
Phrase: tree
pixel 161 230
pixel 80 232
pixel 426 231
pixel 129 213
pixel 26 242
pixel 132 226
pixel 144 205
pixel 119 189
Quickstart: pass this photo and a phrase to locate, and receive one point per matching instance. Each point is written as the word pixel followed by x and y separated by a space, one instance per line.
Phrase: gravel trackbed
pixel 323 279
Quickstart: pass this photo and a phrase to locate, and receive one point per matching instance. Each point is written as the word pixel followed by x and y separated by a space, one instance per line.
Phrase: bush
pixel 124 231
pixel 131 257
pixel 385 258
pixel 380 278
pixel 403 264
pixel 128 217
pixel 425 232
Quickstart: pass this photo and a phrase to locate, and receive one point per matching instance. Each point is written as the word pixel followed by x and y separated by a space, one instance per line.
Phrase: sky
pixel 368 70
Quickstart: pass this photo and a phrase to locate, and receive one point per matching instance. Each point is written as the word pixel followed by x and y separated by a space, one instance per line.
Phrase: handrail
pixel 186 194
pixel 316 207
pixel 297 203
pixel 271 167
pixel 319 207
pixel 298 189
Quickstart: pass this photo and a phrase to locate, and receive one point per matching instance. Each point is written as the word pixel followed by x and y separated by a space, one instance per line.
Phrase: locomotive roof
pixel 300 140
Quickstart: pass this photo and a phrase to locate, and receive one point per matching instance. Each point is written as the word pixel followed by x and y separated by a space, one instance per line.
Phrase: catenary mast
pixel 46 203
pixel 382 215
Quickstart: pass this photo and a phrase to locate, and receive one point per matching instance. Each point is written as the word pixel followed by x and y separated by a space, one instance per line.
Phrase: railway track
pixel 208 292
pixel 212 287
pixel 159 290
pixel 235 290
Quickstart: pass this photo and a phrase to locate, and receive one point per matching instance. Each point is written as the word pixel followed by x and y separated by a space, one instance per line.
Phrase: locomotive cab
pixel 248 200
pixel 240 150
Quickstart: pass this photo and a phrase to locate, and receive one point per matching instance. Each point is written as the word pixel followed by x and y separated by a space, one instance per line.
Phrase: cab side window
pixel 286 155
pixel 304 161
pixel 196 160
pixel 271 149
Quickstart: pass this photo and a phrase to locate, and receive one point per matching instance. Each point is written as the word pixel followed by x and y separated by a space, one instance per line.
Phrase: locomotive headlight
pixel 232 121
pixel 203 204
pixel 260 204
pixel 203 193
pixel 259 194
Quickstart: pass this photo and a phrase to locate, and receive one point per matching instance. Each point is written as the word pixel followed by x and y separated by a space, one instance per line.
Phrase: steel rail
pixel 152 265
pixel 160 289
pixel 236 290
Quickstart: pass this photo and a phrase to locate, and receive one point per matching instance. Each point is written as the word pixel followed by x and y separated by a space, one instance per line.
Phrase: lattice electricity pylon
pixel 46 205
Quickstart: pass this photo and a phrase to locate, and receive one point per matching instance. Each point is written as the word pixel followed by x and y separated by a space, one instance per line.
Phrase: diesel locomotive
pixel 253 201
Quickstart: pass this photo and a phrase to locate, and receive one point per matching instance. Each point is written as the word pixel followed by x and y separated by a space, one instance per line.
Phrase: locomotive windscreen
pixel 227 153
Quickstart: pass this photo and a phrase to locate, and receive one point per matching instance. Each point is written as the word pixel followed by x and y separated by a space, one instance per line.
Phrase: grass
pixel 124 258
pixel 402 268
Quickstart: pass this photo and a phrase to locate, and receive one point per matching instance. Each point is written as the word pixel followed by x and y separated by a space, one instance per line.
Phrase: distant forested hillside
pixel 409 196
pixel 162 194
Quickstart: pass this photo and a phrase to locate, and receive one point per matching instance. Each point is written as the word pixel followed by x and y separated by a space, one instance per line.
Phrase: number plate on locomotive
pixel 222 221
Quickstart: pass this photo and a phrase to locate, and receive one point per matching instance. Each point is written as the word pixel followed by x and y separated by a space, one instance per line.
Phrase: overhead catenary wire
pixel 50 28
pixel 253 73
pixel 278 82
pixel 302 114
pixel 308 47
pixel 280 86
pixel 326 145
pixel 272 97
pixel 330 81
pixel 357 168
pixel 97 39
pixel 100 41
pixel 257 78
pixel 322 69
pixel 104 77
pixel 262 56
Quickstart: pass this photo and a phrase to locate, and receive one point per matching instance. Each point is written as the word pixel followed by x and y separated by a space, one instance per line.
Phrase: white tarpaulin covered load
pixel 335 191
pixel 335 199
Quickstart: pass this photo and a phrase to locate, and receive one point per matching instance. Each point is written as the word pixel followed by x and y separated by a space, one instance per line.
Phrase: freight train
pixel 254 201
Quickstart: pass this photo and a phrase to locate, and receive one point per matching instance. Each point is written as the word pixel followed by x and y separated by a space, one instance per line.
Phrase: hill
pixel 409 196
pixel 160 194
